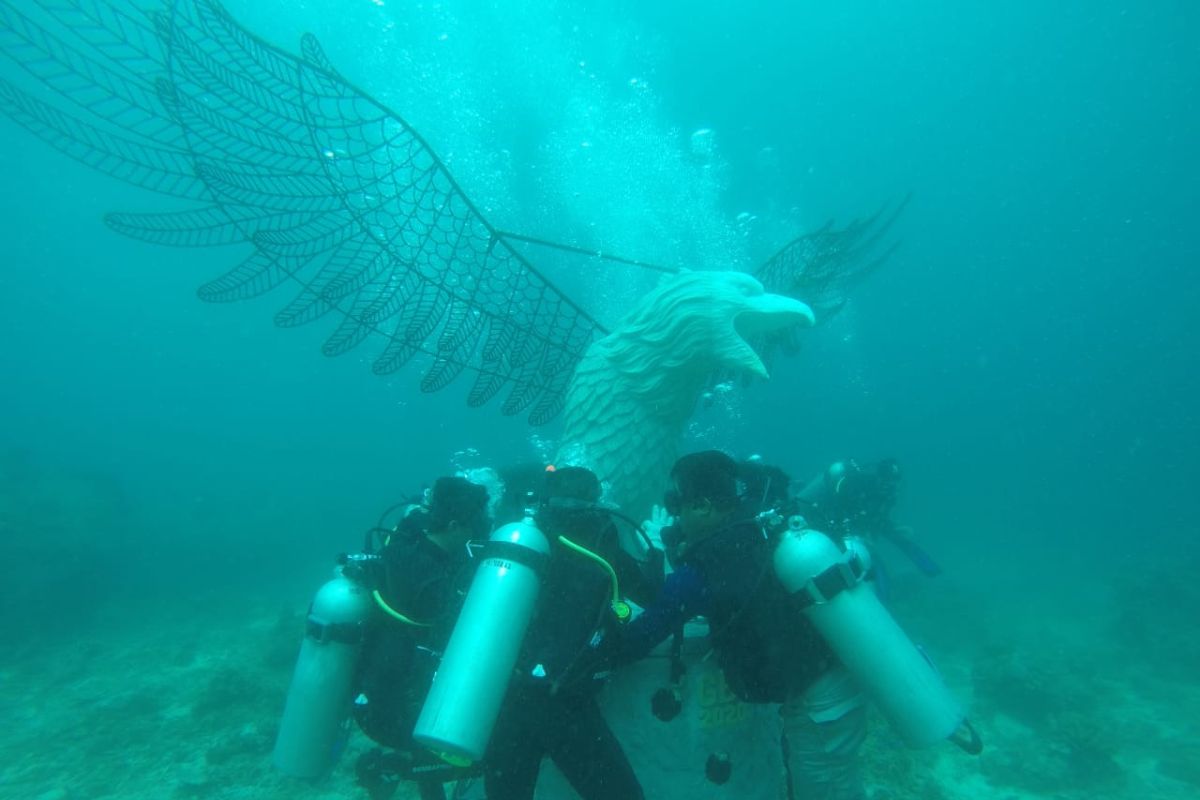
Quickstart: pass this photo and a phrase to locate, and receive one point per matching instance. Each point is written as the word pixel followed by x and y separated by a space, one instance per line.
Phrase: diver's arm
pixel 899 536
pixel 818 488
pixel 682 597
pixel 641 581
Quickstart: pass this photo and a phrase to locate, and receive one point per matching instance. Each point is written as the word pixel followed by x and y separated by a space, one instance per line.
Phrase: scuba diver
pixel 792 620
pixel 764 487
pixel 852 499
pixel 766 649
pixel 761 489
pixel 420 577
pixel 374 636
pixel 550 709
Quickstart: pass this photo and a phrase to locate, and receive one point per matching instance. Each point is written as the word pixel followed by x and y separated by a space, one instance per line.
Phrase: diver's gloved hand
pixel 659 519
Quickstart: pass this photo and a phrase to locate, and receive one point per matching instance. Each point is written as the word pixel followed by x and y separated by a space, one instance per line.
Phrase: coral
pixel 1035 688
pixel 894 772
pixel 1068 712
pixel 234 692
pixel 1087 748
pixel 1154 608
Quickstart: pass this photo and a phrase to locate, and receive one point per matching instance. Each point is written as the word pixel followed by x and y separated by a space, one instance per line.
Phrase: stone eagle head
pixel 635 389
pixel 697 323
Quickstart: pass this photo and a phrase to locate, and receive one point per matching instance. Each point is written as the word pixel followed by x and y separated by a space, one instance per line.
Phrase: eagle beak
pixel 763 314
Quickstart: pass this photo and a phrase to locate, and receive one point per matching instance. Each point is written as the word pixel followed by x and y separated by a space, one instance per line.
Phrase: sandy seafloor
pixel 154 694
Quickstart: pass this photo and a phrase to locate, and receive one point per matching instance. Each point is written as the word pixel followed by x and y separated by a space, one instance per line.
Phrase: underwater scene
pixel 605 400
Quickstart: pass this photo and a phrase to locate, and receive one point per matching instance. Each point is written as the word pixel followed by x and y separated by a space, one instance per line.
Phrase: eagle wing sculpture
pixel 338 197
pixel 339 200
pixel 824 265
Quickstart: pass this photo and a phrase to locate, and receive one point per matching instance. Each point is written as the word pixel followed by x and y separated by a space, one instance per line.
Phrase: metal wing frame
pixel 333 191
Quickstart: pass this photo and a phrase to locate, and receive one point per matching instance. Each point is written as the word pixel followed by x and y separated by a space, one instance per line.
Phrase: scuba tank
pixel 848 614
pixel 318 700
pixel 461 708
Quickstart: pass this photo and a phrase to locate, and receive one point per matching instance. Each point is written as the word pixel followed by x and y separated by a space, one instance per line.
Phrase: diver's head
pixel 458 512
pixel 868 490
pixel 571 486
pixel 888 472
pixel 887 479
pixel 704 494
pixel 568 503
pixel 766 486
pixel 489 479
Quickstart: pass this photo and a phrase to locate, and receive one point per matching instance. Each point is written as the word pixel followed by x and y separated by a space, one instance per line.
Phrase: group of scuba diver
pixel 466 656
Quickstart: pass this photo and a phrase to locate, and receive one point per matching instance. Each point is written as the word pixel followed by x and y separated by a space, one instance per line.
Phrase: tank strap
pixel 825 586
pixel 323 632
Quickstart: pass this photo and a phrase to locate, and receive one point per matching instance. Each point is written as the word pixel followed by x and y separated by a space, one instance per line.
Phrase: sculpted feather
pixel 635 389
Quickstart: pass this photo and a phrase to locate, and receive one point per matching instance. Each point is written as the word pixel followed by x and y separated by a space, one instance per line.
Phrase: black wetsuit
pixel 550 709
pixel 424 583
pixel 766 648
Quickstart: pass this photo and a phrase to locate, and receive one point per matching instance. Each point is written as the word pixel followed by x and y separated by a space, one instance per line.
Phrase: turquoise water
pixel 175 475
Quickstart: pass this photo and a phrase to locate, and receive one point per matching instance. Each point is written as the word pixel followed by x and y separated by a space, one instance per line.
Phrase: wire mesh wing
pixel 335 193
pixel 822 267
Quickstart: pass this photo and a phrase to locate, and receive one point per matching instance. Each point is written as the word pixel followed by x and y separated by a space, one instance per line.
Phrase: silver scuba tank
pixel 318 701
pixel 469 687
pixel 867 639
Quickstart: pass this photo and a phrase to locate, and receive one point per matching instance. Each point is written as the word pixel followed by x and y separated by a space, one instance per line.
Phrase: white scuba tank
pixel 318 702
pixel 469 687
pixel 869 642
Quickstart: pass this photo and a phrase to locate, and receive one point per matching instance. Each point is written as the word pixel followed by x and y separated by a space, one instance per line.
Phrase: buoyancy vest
pixel 574 611
pixel 766 648
pixel 421 581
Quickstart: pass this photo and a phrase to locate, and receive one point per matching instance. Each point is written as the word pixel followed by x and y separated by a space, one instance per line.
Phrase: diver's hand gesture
pixel 659 519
